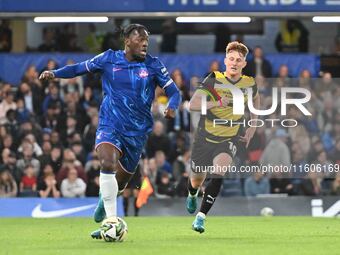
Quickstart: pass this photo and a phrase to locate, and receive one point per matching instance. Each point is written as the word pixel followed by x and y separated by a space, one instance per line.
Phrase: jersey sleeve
pixel 207 83
pixel 96 64
pixel 162 75
pixel 207 86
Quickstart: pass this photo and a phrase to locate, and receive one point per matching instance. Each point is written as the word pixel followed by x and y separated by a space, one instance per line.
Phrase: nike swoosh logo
pixel 38 213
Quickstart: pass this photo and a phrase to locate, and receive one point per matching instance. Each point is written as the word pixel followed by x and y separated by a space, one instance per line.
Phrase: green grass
pixel 173 235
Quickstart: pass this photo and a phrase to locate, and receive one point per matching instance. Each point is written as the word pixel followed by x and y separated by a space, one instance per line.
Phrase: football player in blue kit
pixel 129 79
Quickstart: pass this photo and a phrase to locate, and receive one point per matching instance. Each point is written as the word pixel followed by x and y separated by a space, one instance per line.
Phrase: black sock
pixel 136 208
pixel 191 189
pixel 126 205
pixel 211 192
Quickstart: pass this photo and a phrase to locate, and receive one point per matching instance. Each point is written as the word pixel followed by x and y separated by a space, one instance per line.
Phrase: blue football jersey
pixel 128 90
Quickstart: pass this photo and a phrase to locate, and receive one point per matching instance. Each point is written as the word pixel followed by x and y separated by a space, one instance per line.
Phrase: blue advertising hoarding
pixel 51 208
pixel 170 6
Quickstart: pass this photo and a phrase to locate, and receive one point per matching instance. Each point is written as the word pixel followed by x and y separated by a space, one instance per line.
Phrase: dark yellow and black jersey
pixel 215 85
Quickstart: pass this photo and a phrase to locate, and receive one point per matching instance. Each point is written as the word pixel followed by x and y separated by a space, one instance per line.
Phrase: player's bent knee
pixel 108 165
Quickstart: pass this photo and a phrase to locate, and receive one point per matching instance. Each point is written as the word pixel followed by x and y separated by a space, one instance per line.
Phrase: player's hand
pixel 169 113
pixel 248 135
pixel 46 75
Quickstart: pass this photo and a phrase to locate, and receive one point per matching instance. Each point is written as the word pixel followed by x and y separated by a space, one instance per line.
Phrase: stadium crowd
pixel 48 130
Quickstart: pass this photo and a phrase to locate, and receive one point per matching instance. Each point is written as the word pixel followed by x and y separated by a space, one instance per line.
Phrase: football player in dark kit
pixel 214 145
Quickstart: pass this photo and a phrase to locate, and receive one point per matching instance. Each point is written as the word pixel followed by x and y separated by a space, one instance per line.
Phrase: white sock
pixel 202 215
pixel 109 189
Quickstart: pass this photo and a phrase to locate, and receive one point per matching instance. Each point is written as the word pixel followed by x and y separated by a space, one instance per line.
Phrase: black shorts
pixel 204 152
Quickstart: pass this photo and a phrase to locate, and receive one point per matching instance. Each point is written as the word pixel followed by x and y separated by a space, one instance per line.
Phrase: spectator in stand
pixel 8 186
pixel 280 183
pixel 336 185
pixel 22 113
pixel 258 65
pixel 335 154
pixel 257 145
pixel 89 134
pixel 48 44
pixel 48 186
pixel 56 159
pixel 169 36
pixel 92 169
pixel 53 96
pixel 71 125
pixel 165 187
pixel 32 101
pixel 7 104
pixel 46 170
pixel 162 164
pixel 150 170
pixel 292 37
pixel 28 159
pixel 5 36
pixel 11 122
pixel 283 79
pixel 30 138
pixel 9 161
pixel 256 184
pixel 72 186
pixel 178 78
pixel 28 184
pixel 214 66
pixel 305 80
pixel 181 169
pixel 78 150
pixel 157 141
pixel 93 40
pixel 54 120
pixel 326 116
pixel 182 144
pixel 311 185
pixel 299 133
pixel 7 142
pixel 277 152
pixel 70 161
pixel 44 158
pixel 31 78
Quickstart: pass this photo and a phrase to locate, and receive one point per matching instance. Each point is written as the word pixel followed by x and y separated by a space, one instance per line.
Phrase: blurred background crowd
pixel 48 129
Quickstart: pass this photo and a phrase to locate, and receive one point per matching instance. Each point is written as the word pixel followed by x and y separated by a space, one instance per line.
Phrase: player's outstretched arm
pixel 70 71
pixel 174 96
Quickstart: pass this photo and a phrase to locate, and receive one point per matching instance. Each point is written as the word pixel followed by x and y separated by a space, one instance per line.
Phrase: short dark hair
pixel 130 28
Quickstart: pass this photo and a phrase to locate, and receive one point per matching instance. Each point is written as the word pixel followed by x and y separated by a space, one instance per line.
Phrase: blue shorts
pixel 130 147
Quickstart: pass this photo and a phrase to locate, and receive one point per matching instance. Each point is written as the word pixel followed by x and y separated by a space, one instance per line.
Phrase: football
pixel 114 232
pixel 267 211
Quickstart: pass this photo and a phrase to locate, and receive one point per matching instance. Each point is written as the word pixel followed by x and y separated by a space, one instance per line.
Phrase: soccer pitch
pixel 173 235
